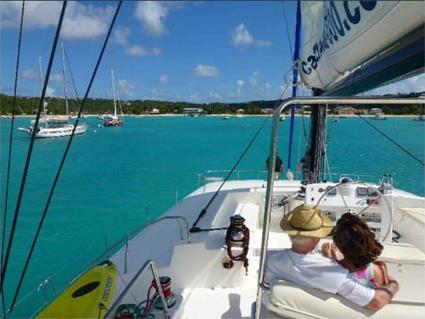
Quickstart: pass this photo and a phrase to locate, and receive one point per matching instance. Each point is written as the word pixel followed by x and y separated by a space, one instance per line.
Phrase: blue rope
pixel 294 80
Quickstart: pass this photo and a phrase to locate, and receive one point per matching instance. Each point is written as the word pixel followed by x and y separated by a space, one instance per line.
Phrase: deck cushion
pixel 292 301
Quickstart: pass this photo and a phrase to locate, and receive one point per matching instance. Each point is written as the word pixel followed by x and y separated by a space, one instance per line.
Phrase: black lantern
pixel 237 241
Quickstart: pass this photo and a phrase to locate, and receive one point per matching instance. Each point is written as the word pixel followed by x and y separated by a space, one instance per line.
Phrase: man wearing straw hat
pixel 306 225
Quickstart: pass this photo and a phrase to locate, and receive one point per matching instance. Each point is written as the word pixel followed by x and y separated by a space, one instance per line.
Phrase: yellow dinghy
pixel 88 297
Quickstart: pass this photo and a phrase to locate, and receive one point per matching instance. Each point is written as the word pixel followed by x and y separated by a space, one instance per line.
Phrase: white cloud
pixel 81 21
pixel 31 74
pixel 50 92
pixel 152 14
pixel 253 80
pixel 206 70
pixel 240 83
pixel 163 78
pixel 121 35
pixel 38 14
pixel 242 37
pixel 412 84
pixel 138 50
pixel 194 98
pixel 85 21
pixel 263 43
pixel 126 87
pixel 155 51
pixel 214 95
pixel 268 86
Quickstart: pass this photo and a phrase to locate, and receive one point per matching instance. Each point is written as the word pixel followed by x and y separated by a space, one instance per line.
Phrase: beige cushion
pixel 402 254
pixel 292 301
pixel 418 214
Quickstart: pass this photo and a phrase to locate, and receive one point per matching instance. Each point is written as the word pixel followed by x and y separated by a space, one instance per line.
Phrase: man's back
pixel 309 270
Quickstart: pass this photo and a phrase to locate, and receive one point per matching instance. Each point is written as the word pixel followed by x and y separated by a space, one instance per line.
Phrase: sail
pixel 340 37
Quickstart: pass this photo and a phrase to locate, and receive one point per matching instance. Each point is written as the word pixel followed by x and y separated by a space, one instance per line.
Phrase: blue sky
pixel 191 51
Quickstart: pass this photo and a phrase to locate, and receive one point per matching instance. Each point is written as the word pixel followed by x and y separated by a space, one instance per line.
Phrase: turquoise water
pixel 117 178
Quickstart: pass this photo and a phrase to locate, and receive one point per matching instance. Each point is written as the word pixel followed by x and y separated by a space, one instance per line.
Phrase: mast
pixel 113 89
pixel 294 84
pixel 64 80
pixel 312 162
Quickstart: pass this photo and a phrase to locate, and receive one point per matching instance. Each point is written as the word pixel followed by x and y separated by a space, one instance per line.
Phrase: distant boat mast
pixel 64 80
pixel 41 82
pixel 113 89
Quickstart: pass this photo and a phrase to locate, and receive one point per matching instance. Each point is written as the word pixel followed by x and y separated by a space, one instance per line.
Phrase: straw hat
pixel 306 220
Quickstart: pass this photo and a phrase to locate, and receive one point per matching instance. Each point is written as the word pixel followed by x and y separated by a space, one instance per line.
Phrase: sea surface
pixel 116 179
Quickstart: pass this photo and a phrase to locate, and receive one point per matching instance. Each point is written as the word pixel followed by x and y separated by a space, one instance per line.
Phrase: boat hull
pixel 56 132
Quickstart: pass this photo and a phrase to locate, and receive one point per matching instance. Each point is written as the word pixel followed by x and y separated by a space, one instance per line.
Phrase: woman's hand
pixel 331 251
pixel 326 250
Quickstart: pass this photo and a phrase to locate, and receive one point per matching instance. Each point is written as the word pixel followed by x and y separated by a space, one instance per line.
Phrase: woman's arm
pixel 383 295
pixel 380 273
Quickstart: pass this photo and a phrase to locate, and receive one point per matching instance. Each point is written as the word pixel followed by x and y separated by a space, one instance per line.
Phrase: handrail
pixel 135 231
pixel 155 222
pixel 111 311
pixel 203 175
pixel 174 217
pixel 316 100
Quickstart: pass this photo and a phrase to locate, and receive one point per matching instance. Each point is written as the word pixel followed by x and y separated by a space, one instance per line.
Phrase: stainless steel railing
pixel 150 263
pixel 204 177
pixel 312 101
pixel 134 232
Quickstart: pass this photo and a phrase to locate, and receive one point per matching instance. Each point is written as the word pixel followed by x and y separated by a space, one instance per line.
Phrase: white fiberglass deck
pixel 203 287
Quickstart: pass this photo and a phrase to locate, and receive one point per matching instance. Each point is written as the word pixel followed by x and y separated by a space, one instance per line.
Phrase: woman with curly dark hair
pixel 356 248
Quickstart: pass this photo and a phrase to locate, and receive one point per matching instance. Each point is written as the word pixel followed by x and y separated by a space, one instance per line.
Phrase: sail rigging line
pixel 65 154
pixel 325 148
pixel 392 141
pixel 195 228
pixel 65 93
pixel 294 80
pixel 286 26
pixel 30 149
pixel 70 73
pixel 74 86
pixel 9 156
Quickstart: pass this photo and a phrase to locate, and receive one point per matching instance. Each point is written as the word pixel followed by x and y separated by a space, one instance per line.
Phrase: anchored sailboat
pixel 55 125
pixel 112 120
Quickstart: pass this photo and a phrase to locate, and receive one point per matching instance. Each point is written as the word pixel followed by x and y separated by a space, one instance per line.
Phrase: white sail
pixel 339 36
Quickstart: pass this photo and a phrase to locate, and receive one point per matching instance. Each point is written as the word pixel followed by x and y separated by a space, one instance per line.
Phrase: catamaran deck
pixel 202 286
